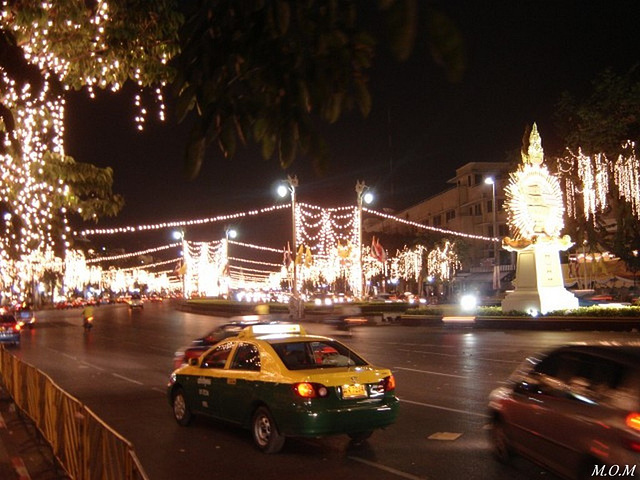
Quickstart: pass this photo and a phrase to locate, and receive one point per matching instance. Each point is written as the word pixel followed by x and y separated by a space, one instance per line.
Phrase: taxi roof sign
pixel 273 329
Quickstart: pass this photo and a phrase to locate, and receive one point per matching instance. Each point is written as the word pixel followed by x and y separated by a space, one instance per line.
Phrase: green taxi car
pixel 280 382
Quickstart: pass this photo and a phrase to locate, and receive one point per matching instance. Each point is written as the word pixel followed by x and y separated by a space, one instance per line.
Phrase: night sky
pixel 521 55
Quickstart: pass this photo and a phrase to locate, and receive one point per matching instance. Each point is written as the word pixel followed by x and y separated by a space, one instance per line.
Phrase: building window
pixel 477 209
pixel 477 179
pixel 450 215
pixel 437 220
pixel 490 206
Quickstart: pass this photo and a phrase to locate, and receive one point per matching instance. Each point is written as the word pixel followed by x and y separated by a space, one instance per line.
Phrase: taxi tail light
pixel 633 421
pixel 389 383
pixel 310 390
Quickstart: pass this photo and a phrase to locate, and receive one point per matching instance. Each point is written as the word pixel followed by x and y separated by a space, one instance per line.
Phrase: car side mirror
pixel 193 362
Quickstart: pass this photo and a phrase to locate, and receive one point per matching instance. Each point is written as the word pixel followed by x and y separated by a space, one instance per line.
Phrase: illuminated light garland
pixel 134 254
pixel 255 262
pixel 149 265
pixel 257 247
pixel 180 223
pixel 235 268
pixel 432 229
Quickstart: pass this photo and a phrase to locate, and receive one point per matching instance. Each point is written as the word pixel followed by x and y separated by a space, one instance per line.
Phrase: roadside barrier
pixel 85 446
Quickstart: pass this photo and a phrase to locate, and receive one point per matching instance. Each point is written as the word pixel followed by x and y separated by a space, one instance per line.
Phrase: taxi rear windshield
pixel 316 354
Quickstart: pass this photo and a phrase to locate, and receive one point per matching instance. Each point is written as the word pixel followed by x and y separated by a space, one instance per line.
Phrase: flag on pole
pixel 287 256
pixel 377 250
pixel 308 258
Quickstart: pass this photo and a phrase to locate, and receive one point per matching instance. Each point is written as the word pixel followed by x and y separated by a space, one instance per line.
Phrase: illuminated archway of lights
pixel 329 250
pixel 594 173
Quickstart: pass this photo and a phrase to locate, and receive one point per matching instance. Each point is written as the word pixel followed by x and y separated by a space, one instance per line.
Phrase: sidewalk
pixel 23 453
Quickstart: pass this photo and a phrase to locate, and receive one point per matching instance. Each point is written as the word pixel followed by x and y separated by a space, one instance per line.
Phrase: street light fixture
pixel 290 187
pixel 496 259
pixel 229 233
pixel 180 235
pixel 366 196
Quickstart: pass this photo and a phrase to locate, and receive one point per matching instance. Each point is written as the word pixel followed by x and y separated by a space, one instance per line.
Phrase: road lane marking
pixel 122 377
pixel 430 405
pixel 416 344
pixel 432 373
pixel 379 466
pixel 516 362
pixel 82 363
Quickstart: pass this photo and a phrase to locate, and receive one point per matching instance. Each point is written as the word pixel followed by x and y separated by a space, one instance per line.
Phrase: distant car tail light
pixel 633 420
pixel 310 390
pixel 389 383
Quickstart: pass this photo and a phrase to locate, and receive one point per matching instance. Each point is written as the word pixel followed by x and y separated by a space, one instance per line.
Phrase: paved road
pixel 444 376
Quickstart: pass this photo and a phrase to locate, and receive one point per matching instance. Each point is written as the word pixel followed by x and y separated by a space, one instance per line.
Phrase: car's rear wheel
pixel 181 410
pixel 501 446
pixel 359 437
pixel 265 431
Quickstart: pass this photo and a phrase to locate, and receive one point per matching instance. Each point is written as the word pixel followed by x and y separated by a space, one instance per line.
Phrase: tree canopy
pixel 269 71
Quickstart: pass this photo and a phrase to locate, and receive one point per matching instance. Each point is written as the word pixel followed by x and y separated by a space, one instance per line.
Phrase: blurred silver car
pixel 574 410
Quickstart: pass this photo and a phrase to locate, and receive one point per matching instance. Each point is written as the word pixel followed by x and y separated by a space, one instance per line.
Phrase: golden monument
pixel 535 213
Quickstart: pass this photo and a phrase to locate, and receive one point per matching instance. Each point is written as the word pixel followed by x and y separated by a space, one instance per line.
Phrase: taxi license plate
pixel 354 391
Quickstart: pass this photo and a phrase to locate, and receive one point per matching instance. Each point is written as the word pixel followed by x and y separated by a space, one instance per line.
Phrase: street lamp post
pixel 229 233
pixel 367 197
pixel 496 252
pixel 180 235
pixel 292 182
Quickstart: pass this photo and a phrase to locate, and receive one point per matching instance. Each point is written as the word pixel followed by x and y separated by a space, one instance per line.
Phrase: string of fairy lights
pixel 35 230
pixel 36 233
pixel 327 251
pixel 590 196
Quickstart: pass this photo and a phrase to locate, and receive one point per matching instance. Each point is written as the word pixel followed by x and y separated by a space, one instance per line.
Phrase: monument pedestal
pixel 539 284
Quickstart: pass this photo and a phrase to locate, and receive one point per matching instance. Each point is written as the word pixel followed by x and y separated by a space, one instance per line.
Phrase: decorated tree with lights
pixel 600 169
pixel 47 48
